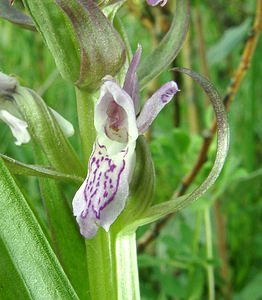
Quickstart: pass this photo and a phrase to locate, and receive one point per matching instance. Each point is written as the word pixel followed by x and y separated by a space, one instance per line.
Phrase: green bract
pixel 83 42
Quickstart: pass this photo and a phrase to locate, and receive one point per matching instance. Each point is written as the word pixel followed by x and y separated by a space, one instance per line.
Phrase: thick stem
pixel 85 111
pixel 112 266
pixel 127 270
pixel 101 266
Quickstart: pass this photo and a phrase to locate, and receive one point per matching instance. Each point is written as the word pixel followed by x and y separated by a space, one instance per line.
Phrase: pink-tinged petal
pixel 154 105
pixel 88 227
pixel 131 82
pixel 115 118
pixel 103 195
pixel 156 2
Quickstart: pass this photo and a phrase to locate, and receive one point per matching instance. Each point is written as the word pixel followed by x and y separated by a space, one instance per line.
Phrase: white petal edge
pixel 18 127
pixel 66 126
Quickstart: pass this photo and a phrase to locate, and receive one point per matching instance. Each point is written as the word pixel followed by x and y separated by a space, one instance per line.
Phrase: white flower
pixel 17 126
pixel 103 194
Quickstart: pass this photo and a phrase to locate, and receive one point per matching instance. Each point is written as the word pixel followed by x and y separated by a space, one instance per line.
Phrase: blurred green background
pixel 217 241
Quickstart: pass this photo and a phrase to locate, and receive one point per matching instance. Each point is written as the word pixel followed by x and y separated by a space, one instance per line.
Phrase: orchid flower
pixel 156 2
pixel 103 194
pixel 10 114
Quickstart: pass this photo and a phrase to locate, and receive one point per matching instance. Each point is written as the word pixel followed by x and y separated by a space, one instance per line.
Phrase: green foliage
pixel 30 255
pixel 230 39
pixel 174 265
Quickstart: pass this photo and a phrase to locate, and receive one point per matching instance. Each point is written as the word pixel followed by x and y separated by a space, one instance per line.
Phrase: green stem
pixel 127 270
pixel 112 266
pixel 209 252
pixel 85 111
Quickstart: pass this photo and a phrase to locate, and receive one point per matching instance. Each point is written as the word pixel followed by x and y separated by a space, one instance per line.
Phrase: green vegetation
pixel 215 245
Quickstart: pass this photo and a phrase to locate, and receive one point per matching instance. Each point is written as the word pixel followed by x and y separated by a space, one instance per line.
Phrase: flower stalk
pixel 112 265
pixel 85 111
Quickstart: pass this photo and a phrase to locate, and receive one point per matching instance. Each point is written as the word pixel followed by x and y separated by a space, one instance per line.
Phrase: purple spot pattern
pixel 103 180
pixel 165 97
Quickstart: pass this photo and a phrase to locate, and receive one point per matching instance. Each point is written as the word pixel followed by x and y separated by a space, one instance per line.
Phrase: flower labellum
pixel 156 2
pixel 103 194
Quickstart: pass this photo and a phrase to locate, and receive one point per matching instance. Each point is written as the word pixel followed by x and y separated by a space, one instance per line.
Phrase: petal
pixel 103 195
pixel 156 2
pixel 112 94
pixel 88 227
pixel 154 105
pixel 17 126
pixel 131 82
pixel 65 125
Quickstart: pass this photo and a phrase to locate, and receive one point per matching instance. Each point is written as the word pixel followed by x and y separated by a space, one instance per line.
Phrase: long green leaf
pixel 158 211
pixel 27 246
pixel 19 168
pixel 163 55
pixel 66 239
pixel 10 13
pixel 9 278
pixel 68 243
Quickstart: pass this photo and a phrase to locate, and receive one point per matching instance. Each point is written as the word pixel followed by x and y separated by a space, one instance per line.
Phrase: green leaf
pixel 58 35
pixel 10 278
pixel 228 42
pixel 156 212
pixel 32 256
pixel 45 130
pixel 163 55
pixel 252 290
pixel 66 239
pixel 102 50
pixel 19 168
pixel 10 13
pixel 68 244
pixel 142 187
